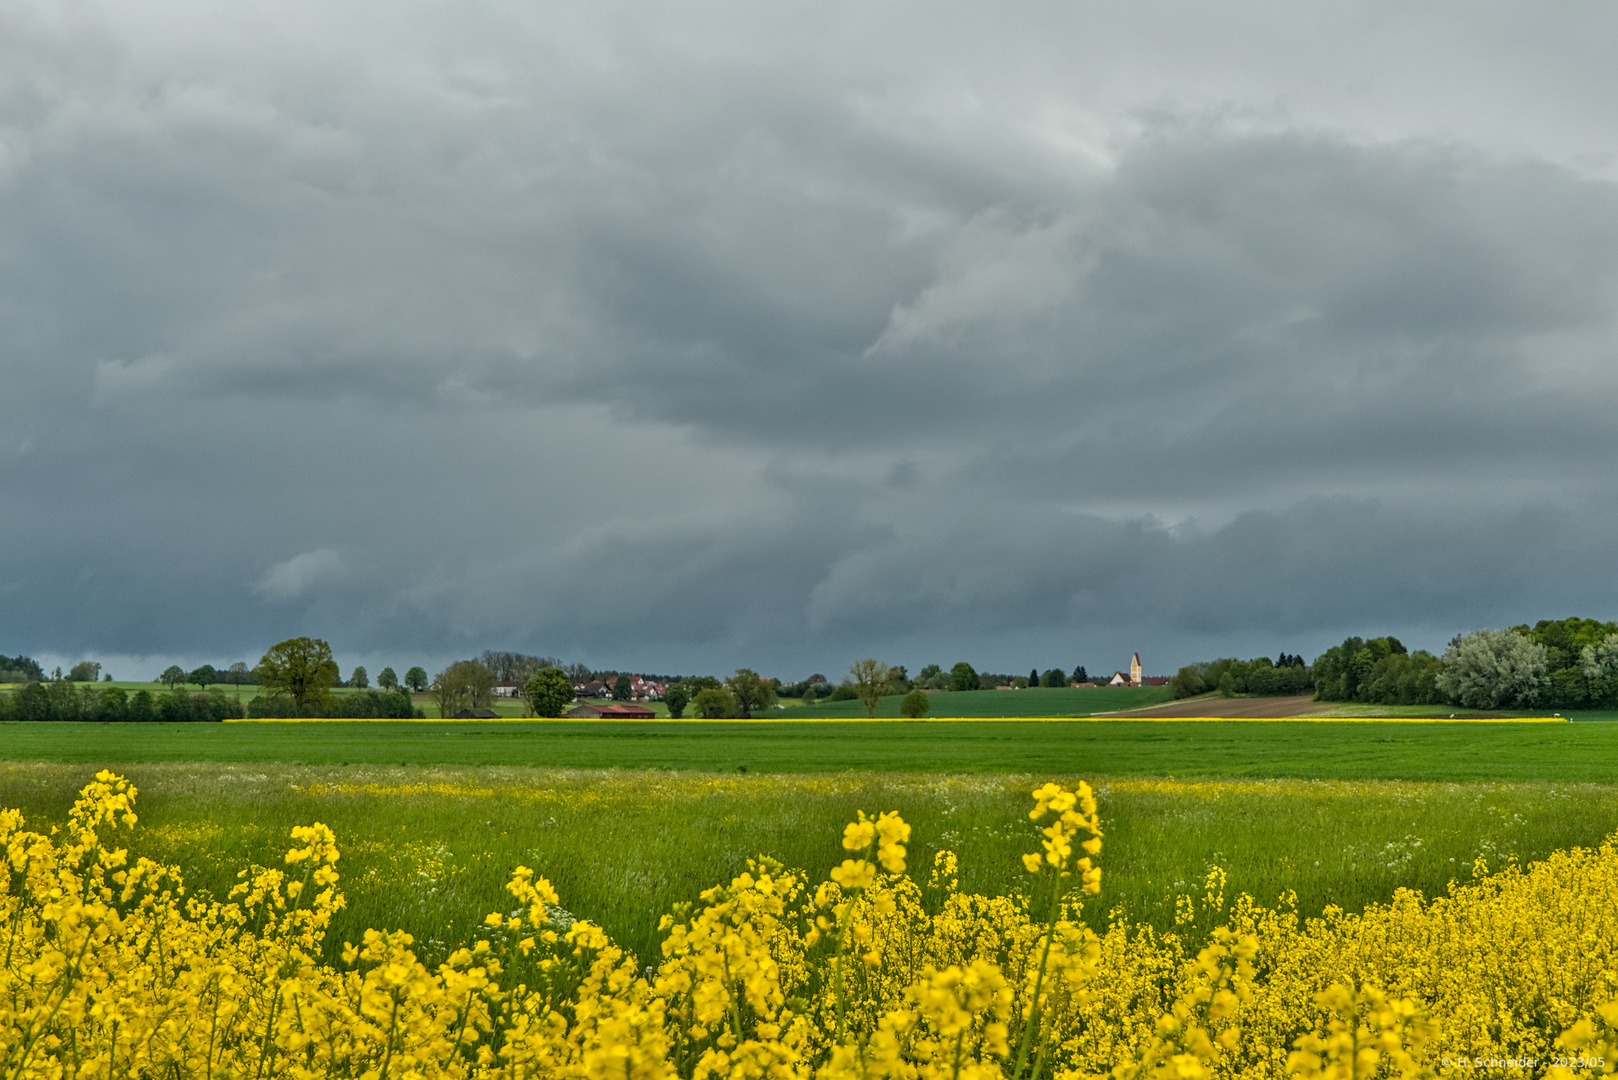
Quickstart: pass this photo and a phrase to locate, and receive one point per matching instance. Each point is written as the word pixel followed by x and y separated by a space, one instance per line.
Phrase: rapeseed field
pixel 878 969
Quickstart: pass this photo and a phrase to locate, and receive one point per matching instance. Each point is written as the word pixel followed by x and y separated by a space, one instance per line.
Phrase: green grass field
pixel 1584 752
pixel 429 849
pixel 628 818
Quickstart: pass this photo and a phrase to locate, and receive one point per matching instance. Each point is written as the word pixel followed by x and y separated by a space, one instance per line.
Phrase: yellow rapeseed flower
pixel 113 970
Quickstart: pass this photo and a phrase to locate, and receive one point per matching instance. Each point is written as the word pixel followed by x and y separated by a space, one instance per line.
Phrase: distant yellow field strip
pixel 934 720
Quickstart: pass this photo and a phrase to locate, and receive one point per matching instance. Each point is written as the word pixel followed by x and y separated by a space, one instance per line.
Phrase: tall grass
pixel 429 850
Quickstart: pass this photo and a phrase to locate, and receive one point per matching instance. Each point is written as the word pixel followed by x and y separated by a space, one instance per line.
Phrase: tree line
pixel 60 699
pixel 1260 677
pixel 1554 664
pixel 295 677
pixel 961 676
pixel 1570 663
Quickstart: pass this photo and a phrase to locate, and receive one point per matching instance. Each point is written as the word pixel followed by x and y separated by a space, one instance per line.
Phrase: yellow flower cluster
pixel 111 970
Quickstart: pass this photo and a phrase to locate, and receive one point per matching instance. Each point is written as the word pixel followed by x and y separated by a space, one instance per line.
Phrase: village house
pixel 640 689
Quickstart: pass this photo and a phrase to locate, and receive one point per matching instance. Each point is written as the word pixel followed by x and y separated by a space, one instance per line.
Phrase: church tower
pixel 1134 670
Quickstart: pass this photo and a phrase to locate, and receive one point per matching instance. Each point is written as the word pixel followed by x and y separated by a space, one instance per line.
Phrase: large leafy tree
pixel 1495 669
pixel 416 679
pixel 676 697
pixel 205 676
pixel 962 677
pixel 869 678
pixel 548 692
pixel 172 676
pixel 465 684
pixel 713 703
pixel 750 692
pixel 299 668
pixel 915 704
pixel 387 680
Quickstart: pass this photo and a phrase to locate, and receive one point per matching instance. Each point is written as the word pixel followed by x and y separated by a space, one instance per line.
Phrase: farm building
pixel 612 712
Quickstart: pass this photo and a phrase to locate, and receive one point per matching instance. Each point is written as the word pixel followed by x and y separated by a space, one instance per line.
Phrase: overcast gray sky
pixel 682 337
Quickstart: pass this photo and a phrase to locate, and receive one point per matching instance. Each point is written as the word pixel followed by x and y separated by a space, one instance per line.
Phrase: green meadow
pixel 1582 751
pixel 428 849
pixel 629 818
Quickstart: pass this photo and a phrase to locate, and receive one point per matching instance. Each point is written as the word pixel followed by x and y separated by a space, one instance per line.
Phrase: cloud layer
pixel 786 337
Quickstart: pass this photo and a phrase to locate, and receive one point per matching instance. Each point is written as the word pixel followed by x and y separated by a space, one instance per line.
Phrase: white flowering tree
pixel 1495 669
pixel 1600 662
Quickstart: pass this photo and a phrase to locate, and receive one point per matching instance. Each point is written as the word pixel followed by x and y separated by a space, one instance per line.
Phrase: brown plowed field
pixel 1256 708
pixel 1275 708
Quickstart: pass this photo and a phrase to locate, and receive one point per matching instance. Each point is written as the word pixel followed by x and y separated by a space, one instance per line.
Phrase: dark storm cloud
pixel 785 338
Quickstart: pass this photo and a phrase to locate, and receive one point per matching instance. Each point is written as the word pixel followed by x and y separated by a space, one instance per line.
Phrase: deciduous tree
pixel 750 692
pixel 465 684
pixel 915 704
pixel 676 697
pixel 299 668
pixel 962 677
pixel 869 679
pixel 1494 669
pixel 416 680
pixel 387 679
pixel 713 703
pixel 172 676
pixel 548 692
